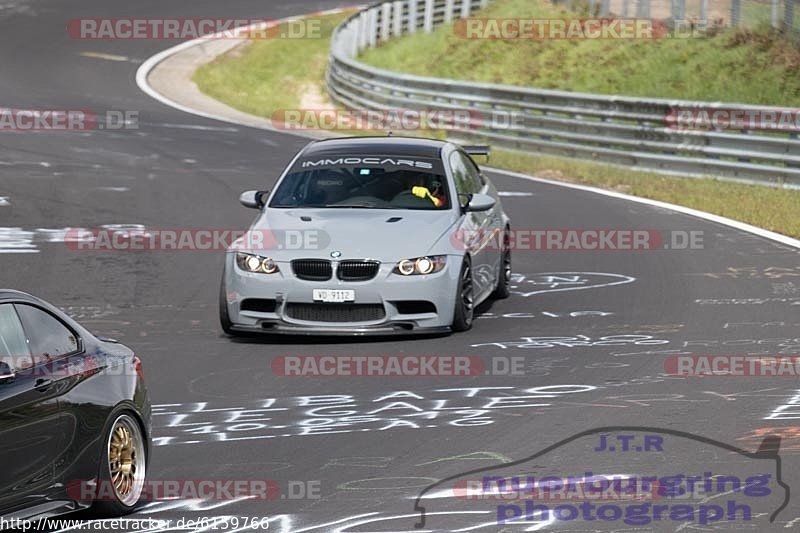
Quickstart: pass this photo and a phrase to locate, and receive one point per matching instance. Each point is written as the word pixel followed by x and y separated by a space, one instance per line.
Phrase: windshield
pixel 381 185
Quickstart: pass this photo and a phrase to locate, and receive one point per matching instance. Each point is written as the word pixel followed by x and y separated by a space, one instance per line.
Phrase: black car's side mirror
pixel 253 199
pixel 6 373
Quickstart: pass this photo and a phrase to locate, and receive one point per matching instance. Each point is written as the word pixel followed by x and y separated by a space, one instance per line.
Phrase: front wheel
pixel 123 468
pixel 465 299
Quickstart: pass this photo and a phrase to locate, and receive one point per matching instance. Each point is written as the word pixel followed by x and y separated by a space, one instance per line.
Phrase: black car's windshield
pixel 381 184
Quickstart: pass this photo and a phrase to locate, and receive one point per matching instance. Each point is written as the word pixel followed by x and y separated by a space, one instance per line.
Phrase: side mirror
pixel 253 199
pixel 480 202
pixel 6 372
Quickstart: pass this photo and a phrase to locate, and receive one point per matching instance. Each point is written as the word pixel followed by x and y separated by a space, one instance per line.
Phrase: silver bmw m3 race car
pixel 377 235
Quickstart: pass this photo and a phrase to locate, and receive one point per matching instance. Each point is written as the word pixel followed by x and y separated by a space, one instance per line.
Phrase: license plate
pixel 334 295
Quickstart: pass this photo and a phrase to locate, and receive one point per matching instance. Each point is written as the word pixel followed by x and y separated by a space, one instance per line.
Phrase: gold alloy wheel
pixel 126 460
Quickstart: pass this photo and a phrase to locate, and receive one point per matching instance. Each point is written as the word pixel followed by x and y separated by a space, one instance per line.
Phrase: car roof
pixel 405 146
pixel 11 294
pixel 19 296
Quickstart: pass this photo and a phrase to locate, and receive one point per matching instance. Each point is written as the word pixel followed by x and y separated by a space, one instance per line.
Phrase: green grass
pixel 268 75
pixel 751 66
pixel 766 207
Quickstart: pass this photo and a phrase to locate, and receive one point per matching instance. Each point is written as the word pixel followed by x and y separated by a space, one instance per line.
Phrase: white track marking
pixel 771 235
pixel 107 57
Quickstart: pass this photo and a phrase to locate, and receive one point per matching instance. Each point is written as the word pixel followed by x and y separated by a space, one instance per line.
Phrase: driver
pixel 433 193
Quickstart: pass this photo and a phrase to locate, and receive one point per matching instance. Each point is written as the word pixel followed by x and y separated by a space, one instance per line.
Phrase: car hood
pixel 381 234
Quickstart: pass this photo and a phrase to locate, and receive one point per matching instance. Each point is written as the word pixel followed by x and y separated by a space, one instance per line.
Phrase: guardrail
pixel 619 130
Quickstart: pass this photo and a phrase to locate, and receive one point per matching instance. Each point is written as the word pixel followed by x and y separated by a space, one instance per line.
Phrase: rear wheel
pixel 465 299
pixel 503 289
pixel 123 468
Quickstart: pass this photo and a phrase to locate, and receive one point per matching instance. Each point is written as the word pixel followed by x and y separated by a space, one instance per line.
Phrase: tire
pixel 123 467
pixel 224 318
pixel 465 299
pixel 503 289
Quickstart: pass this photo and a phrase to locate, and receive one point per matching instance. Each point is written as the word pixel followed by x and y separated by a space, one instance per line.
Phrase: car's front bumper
pixel 287 328
pixel 388 291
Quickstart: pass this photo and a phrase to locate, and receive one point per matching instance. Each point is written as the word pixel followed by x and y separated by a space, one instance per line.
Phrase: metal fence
pixel 779 14
pixel 620 130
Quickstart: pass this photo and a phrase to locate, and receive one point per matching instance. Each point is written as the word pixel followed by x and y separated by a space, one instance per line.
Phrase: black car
pixel 74 415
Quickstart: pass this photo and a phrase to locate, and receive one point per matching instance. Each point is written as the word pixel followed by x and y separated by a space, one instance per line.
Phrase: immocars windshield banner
pixel 387 162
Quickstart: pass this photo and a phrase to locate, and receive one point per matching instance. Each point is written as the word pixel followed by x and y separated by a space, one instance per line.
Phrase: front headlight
pixel 256 263
pixel 421 265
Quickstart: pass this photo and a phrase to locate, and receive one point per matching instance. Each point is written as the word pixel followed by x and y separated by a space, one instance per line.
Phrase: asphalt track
pixel 739 294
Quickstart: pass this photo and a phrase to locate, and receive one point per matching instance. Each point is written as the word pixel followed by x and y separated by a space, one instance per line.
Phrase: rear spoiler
pixel 478 149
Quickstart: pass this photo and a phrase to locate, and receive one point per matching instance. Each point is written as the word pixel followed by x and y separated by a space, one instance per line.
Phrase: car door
pixel 31 426
pixel 494 224
pixel 476 226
